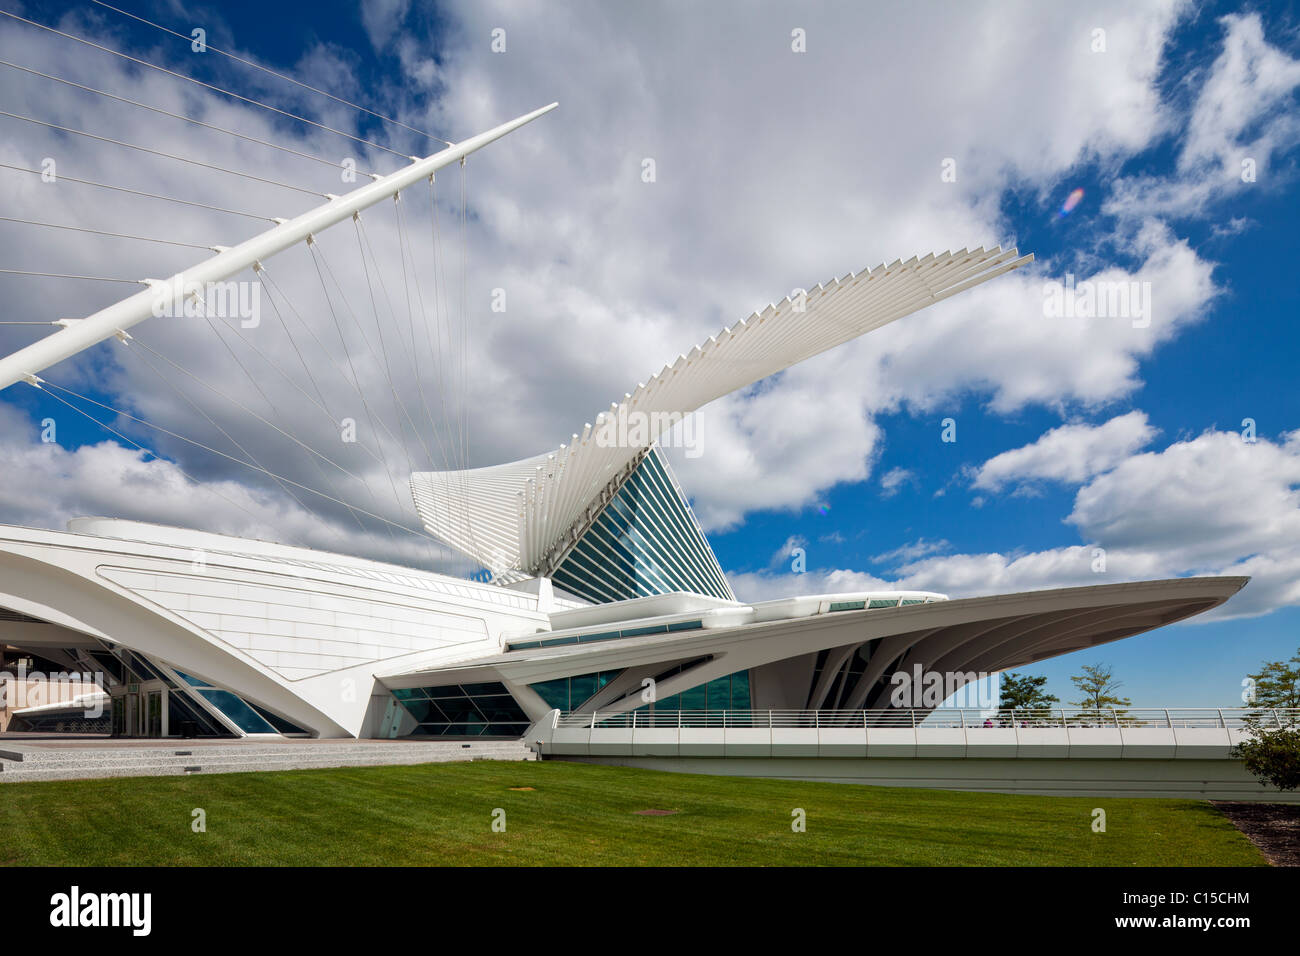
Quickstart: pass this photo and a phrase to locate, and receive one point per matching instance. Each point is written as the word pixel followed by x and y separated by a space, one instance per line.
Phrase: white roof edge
pixel 509 516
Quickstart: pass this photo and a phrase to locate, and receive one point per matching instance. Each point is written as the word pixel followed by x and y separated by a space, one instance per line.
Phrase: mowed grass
pixel 579 814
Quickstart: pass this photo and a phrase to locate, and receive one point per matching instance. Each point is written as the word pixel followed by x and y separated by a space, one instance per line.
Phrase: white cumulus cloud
pixel 1070 454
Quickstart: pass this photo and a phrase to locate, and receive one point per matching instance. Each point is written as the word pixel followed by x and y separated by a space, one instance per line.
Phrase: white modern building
pixel 602 593
pixel 602 584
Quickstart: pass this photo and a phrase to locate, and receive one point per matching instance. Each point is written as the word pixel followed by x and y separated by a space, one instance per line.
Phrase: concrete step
pixel 59 755
pixel 144 762
pixel 166 770
pixel 235 760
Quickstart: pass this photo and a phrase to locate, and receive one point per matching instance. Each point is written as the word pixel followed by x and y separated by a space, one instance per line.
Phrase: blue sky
pixel 778 171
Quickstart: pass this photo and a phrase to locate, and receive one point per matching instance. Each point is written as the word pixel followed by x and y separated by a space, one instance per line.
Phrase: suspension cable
pixel 209 86
pixel 436 353
pixel 164 155
pixel 365 405
pixel 116 411
pixel 258 388
pixel 61 275
pixel 230 438
pixel 323 269
pixel 101 232
pixel 383 287
pixel 252 380
pixel 354 385
pixel 383 346
pixel 282 76
pixel 137 192
pixel 181 116
pixel 245 408
pixel 269 284
pixel 110 429
pixel 454 343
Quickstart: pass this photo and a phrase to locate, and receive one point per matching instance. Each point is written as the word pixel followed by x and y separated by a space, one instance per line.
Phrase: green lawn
pixel 581 814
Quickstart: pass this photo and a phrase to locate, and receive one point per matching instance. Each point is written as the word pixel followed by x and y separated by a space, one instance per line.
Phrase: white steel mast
pixel 81 334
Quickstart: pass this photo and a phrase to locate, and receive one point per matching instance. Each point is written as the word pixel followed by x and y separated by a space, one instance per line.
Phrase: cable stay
pixel 240 405
pixel 354 384
pixel 257 66
pixel 450 462
pixel 208 86
pixel 165 155
pixel 458 347
pixel 353 381
pixel 365 405
pixel 386 367
pixel 244 451
pixel 319 401
pixel 42 383
pixel 436 334
pixel 323 262
pixel 148 451
pixel 320 470
pixel 364 239
pixel 64 275
pixel 101 232
pixel 403 244
pixel 383 351
pixel 314 400
pixel 137 192
pixel 271 407
pixel 183 117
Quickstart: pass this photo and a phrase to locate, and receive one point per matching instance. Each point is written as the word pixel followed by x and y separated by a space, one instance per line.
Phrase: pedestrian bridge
pixel 1130 752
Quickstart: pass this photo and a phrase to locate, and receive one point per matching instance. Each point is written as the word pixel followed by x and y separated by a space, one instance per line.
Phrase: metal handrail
pixel 950 718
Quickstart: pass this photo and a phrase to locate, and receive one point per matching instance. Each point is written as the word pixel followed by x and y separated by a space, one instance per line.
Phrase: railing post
pixel 1222 723
pixel 593 721
pixel 1169 720
pixel 634 720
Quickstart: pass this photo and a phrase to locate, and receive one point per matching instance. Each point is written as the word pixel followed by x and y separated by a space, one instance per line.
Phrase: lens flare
pixel 1071 201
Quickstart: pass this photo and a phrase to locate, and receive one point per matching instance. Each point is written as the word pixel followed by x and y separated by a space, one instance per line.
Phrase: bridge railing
pixel 1170 718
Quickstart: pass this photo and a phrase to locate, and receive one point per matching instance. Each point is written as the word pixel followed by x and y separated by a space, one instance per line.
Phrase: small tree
pixel 1272 751
pixel 1097 685
pixel 1024 694
pixel 1278 683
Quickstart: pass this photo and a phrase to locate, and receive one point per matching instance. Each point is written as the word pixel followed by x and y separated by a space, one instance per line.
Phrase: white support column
pixel 82 334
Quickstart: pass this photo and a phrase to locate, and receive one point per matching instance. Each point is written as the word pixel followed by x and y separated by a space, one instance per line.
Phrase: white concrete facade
pixel 322 641
pixel 296 632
